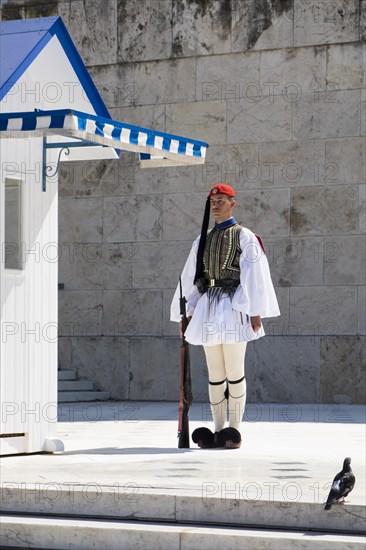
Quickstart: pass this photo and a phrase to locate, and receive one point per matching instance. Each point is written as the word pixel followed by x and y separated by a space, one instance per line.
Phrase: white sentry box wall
pixel 28 358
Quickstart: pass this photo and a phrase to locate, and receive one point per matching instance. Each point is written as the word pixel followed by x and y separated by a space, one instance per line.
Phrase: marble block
pixel 345 263
pixel 144 30
pixel 330 210
pixel 201 120
pixel 132 312
pixel 80 313
pixel 101 178
pixel 132 218
pixel 293 163
pixel 182 217
pixel 199 376
pixel 361 305
pixel 327 114
pixel 226 77
pixel 87 266
pixel 105 361
pixel 131 179
pixel 296 261
pixel 154 367
pixel 289 72
pixel 116 83
pixel 171 81
pixel 80 221
pixel 201 28
pixel 262 25
pixel 343 369
pixel 363 20
pixel 159 264
pixel 281 30
pixel 325 22
pixel 345 160
pixel 172 179
pixel 287 370
pixel 346 65
pixel 323 310
pixel 265 212
pixel 64 352
pixel 362 209
pixel 93 28
pixel 259 118
pixel 12 11
pixel 66 181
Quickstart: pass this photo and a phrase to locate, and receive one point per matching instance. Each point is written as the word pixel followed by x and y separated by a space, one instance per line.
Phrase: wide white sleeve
pixel 189 289
pixel 255 295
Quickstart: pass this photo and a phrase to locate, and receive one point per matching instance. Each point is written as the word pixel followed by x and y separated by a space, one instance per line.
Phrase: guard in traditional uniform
pixel 228 288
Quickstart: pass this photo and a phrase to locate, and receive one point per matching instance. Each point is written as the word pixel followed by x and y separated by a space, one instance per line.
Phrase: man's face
pixel 221 207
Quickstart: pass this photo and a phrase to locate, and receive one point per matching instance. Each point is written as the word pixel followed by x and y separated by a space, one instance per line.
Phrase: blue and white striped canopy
pixel 155 148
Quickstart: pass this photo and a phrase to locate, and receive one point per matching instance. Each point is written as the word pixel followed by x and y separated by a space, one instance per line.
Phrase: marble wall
pixel 278 89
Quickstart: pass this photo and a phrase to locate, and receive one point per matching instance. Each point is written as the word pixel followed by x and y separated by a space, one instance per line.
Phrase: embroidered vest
pixel 222 253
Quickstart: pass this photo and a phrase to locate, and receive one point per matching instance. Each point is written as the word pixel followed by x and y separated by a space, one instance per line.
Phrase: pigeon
pixel 342 485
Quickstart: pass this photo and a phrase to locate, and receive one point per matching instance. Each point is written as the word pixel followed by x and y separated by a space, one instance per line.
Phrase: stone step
pixel 78 396
pixel 71 389
pixel 66 375
pixel 57 533
pixel 75 385
pixel 131 502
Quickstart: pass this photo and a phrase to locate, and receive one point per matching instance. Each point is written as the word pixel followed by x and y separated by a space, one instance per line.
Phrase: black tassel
pixel 201 247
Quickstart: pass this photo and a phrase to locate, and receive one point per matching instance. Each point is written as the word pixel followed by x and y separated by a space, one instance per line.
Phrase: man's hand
pixel 256 322
pixel 180 326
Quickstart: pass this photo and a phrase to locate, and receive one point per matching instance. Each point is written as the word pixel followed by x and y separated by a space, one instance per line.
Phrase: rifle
pixel 185 397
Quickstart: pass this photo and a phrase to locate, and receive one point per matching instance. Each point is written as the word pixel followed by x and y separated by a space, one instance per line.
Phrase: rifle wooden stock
pixel 185 393
pixel 183 420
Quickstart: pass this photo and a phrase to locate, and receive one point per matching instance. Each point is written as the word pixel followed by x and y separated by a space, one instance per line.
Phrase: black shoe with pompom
pixel 229 438
pixel 204 438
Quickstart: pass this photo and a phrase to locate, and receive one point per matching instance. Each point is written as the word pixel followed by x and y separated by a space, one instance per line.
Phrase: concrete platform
pixel 121 465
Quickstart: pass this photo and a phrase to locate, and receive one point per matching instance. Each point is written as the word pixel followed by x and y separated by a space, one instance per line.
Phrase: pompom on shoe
pixel 229 438
pixel 204 438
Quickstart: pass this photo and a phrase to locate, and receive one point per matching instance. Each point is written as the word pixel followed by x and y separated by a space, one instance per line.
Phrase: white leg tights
pixel 225 362
pixel 216 385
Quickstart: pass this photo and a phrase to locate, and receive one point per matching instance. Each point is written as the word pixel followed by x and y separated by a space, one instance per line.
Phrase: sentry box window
pixel 13 216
